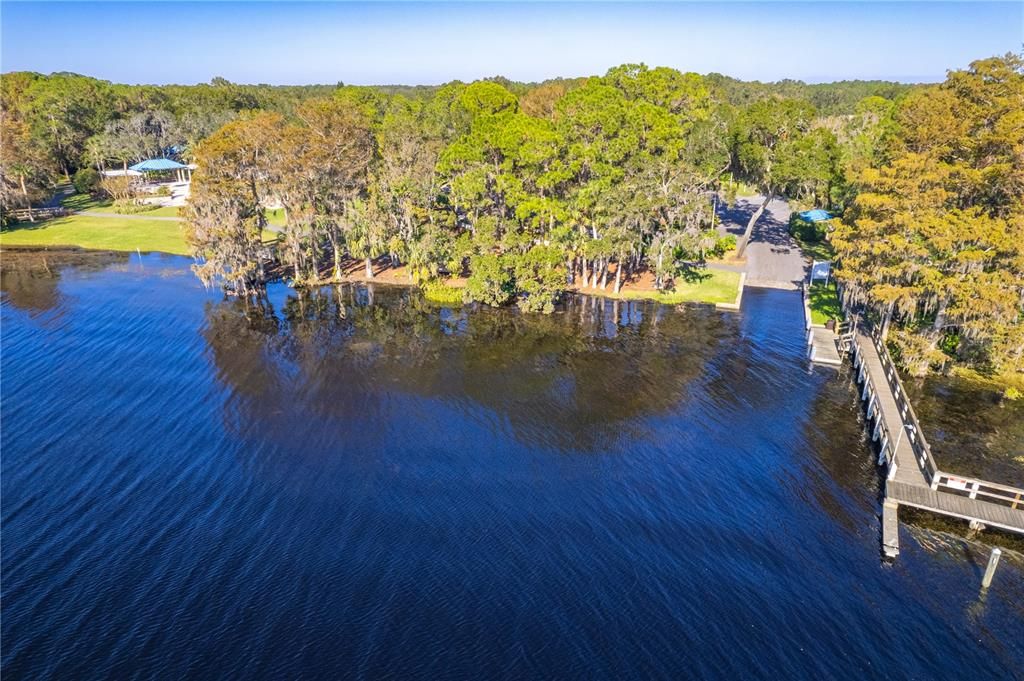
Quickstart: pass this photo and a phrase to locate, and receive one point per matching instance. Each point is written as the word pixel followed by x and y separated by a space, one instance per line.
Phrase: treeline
pixel 933 239
pixel 54 125
pixel 830 99
pixel 527 190
pixel 571 183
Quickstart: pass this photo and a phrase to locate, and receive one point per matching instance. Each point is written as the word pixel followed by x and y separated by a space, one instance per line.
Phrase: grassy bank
pixel 443 294
pixel 714 286
pixel 815 250
pixel 99 233
pixel 136 232
pixel 824 303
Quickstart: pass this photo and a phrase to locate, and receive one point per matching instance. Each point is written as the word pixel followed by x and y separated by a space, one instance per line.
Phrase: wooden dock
pixel 913 477
pixel 822 346
pixel 822 343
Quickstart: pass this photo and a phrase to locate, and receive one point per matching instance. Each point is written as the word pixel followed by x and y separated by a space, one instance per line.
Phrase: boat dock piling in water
pixel 990 569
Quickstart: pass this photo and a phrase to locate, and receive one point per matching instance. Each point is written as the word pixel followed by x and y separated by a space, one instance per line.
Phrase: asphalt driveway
pixel 773 258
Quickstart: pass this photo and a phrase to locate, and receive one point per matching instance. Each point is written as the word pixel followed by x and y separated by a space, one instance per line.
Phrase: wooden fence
pixel 32 214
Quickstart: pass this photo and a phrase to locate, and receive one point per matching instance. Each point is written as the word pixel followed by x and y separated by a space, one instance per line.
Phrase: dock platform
pixel 822 342
pixel 913 477
pixel 823 347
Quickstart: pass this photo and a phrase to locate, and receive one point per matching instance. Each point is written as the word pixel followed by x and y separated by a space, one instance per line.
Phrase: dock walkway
pixel 822 343
pixel 913 477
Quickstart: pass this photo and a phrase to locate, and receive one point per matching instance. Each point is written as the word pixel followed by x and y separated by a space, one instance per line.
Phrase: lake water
pixel 358 484
pixel 971 427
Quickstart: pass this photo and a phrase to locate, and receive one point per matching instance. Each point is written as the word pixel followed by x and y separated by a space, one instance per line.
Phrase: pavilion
pixel 163 165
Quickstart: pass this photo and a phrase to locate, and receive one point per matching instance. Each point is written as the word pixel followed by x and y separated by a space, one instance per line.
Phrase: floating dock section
pixel 822 343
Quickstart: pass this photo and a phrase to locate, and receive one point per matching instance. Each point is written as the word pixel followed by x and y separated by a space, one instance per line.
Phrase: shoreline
pixel 353 273
pixel 388 276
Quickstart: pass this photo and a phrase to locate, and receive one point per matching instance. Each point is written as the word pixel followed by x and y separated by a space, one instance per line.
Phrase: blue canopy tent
pixel 816 215
pixel 156 165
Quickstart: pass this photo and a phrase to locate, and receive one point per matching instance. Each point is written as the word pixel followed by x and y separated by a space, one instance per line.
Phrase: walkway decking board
pixel 823 346
pixel 914 478
pixel 945 503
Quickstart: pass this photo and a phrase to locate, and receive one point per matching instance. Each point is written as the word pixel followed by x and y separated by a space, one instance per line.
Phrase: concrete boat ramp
pixel 913 477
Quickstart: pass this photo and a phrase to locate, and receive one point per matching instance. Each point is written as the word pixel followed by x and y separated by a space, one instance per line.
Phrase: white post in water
pixel 990 571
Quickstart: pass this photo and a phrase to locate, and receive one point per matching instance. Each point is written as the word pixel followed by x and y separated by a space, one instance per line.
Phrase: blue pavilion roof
pixel 158 164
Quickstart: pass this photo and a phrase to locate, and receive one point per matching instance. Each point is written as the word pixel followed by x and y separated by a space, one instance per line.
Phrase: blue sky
pixel 411 42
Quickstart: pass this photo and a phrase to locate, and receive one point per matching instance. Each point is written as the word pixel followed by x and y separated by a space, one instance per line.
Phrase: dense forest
pixel 933 237
pixel 527 190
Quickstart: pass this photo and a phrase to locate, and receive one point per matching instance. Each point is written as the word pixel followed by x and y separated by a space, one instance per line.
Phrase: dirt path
pixel 773 258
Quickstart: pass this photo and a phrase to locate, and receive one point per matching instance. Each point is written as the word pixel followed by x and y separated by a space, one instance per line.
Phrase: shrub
pixel 438 292
pixel 540 278
pixel 723 245
pixel 805 229
pixel 118 188
pixel 86 181
pixel 163 190
pixel 491 281
pixel 129 206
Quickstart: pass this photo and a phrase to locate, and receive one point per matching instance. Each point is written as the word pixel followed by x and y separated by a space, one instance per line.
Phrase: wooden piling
pixel 890 529
pixel 990 569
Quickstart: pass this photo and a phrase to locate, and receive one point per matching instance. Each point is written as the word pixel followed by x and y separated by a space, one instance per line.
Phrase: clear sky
pixel 410 42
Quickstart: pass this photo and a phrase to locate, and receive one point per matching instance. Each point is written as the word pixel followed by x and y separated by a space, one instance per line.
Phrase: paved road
pixel 773 258
pixel 63 191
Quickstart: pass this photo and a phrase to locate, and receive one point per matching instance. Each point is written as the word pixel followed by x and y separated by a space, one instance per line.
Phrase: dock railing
pixel 909 422
pixel 910 426
pixel 882 432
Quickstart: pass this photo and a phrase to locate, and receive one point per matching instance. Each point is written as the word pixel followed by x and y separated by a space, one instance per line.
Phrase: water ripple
pixel 326 488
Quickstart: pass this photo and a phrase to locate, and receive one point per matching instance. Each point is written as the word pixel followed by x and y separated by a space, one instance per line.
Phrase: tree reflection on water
pixel 30 278
pixel 573 379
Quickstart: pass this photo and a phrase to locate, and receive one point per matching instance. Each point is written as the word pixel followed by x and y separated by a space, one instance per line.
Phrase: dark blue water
pixel 357 484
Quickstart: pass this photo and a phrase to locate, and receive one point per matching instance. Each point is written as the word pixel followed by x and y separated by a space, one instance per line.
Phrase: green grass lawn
pixel 88 204
pixel 104 234
pixel 824 303
pixel 815 250
pixel 163 212
pixel 99 233
pixel 719 286
pixel 275 216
